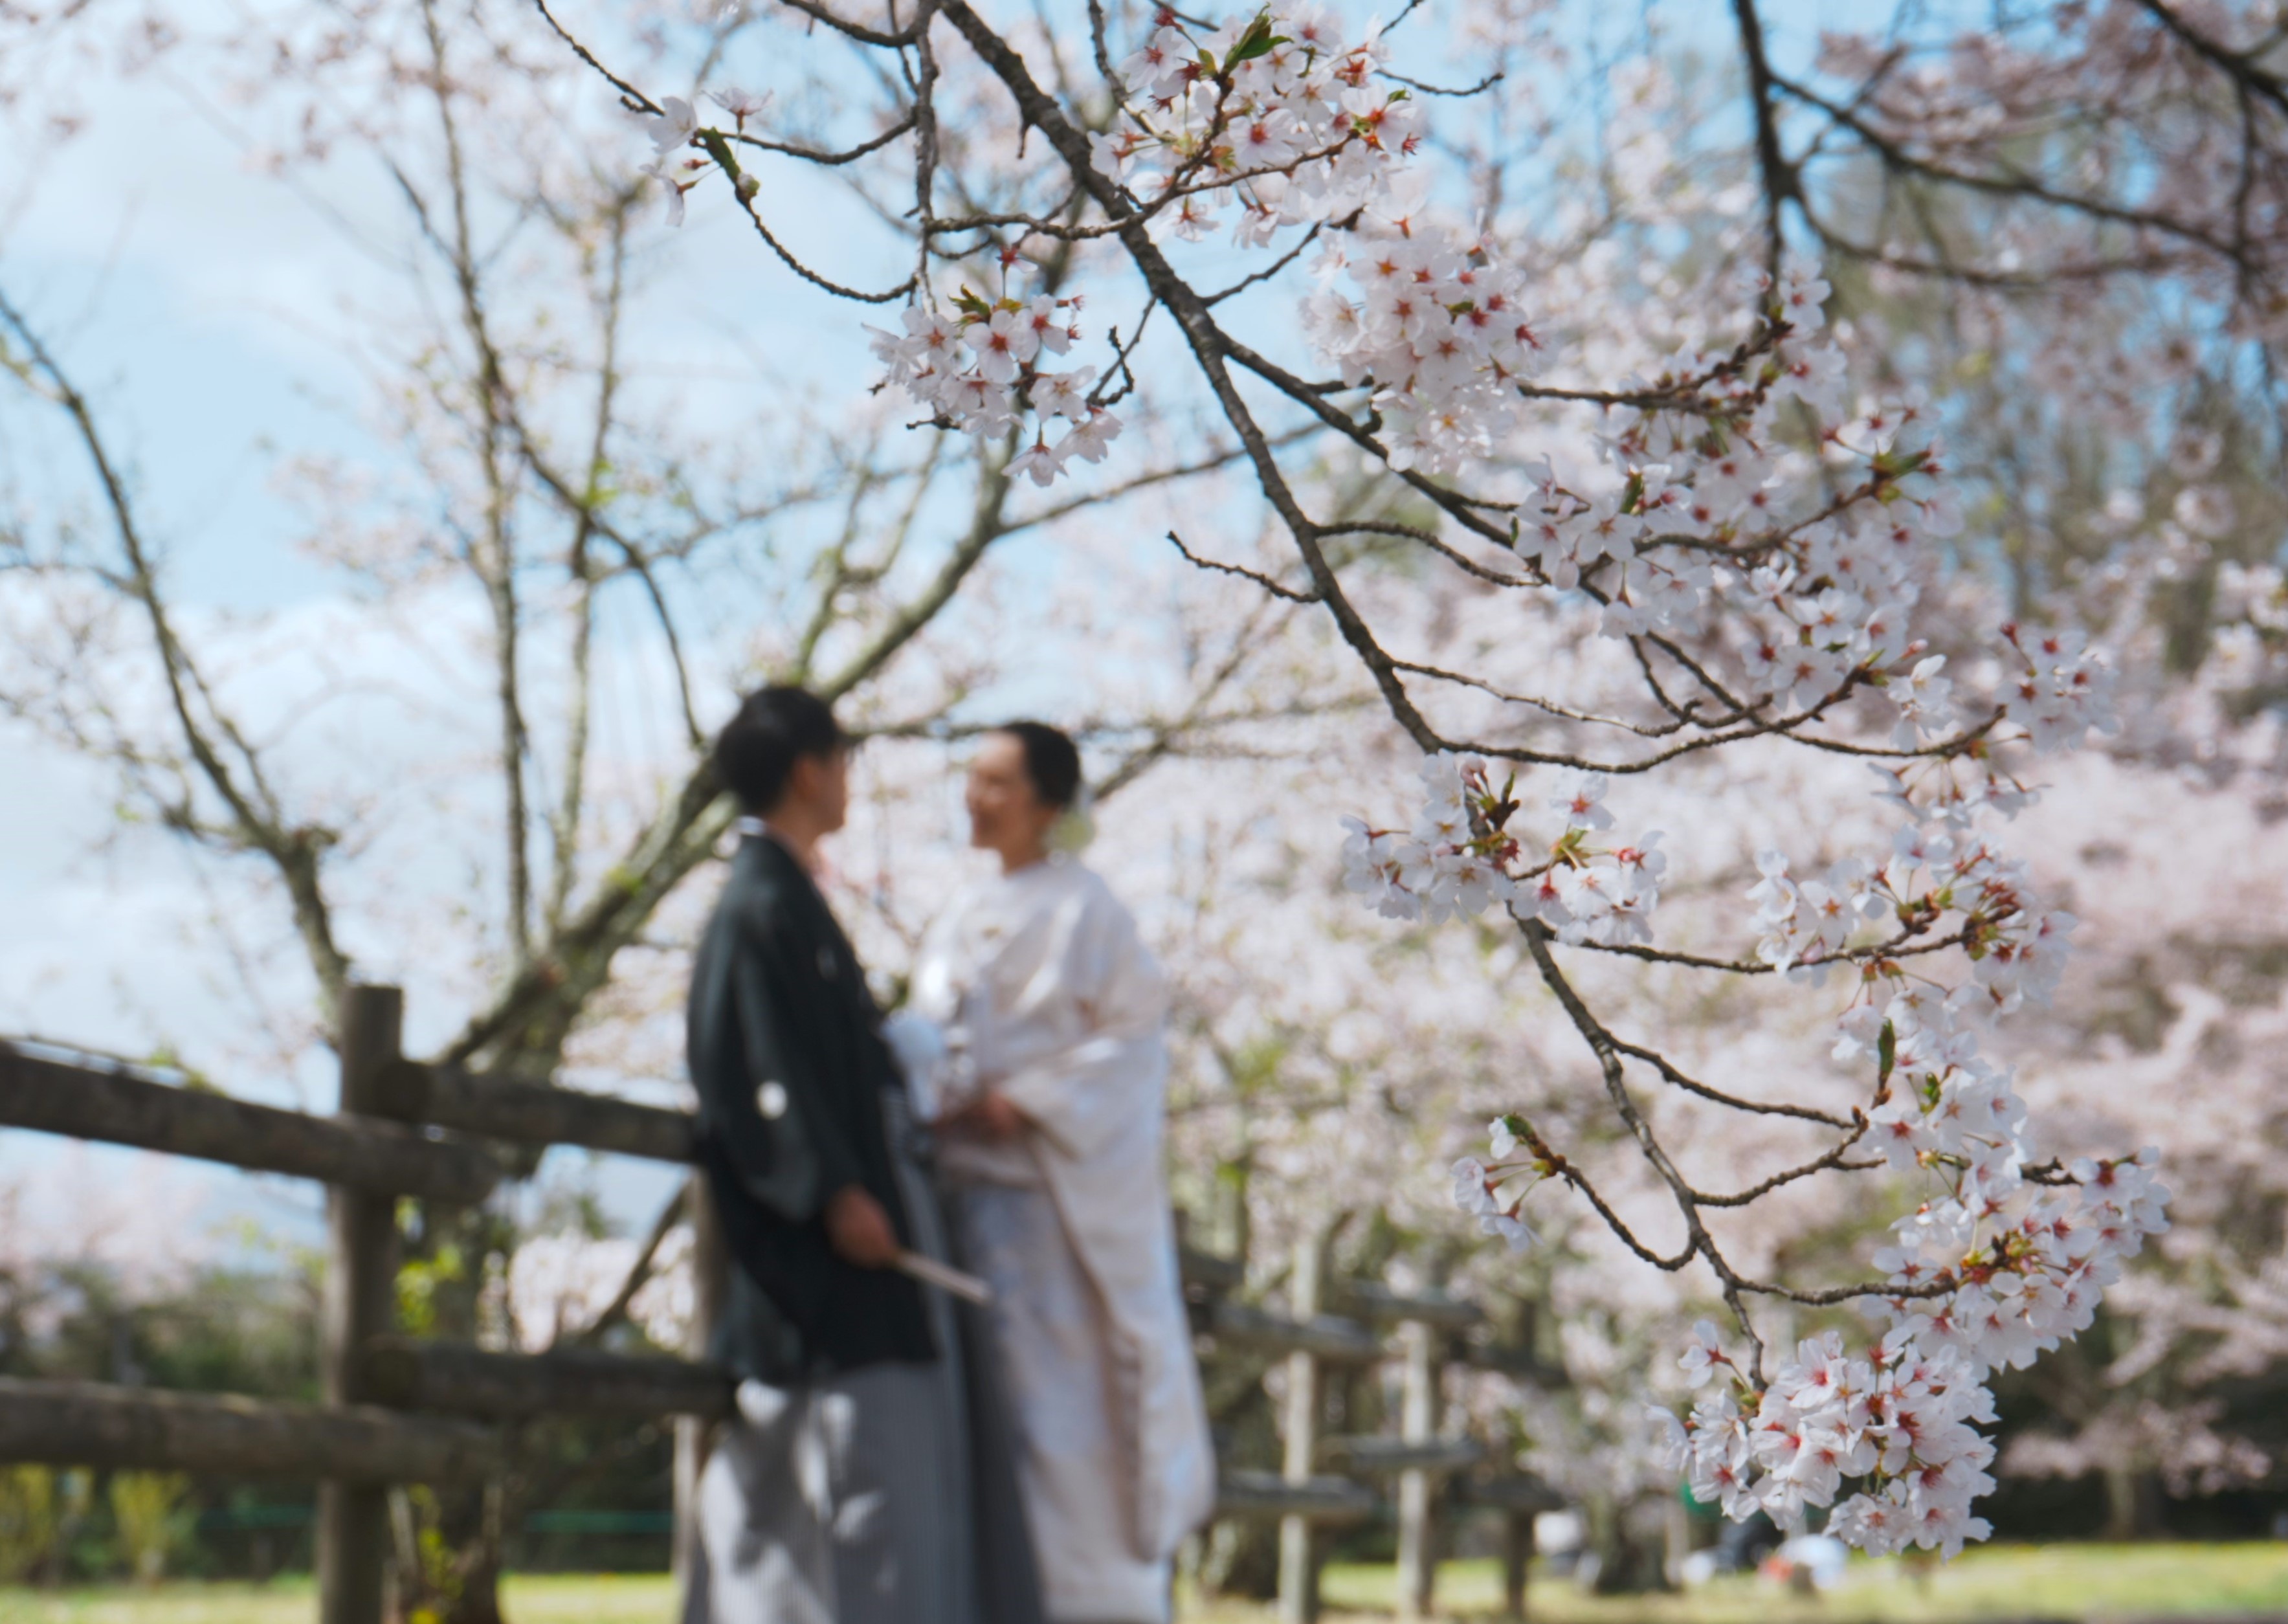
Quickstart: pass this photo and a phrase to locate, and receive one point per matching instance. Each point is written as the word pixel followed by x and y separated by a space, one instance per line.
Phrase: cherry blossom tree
pixel 1703 540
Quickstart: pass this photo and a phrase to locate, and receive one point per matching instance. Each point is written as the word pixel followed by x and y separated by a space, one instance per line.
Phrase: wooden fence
pixel 397 1410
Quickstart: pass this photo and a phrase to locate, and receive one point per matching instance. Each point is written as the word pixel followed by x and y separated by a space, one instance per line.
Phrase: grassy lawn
pixel 2021 1582
pixel 603 1598
pixel 2108 1583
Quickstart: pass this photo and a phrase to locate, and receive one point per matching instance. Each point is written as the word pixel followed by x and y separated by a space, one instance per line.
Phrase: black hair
pixel 775 727
pixel 1052 760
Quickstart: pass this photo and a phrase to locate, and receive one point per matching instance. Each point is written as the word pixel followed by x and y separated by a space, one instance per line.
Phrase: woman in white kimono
pixel 1050 1011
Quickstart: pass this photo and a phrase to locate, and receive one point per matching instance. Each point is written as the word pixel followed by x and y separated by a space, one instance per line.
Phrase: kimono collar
pixel 752 828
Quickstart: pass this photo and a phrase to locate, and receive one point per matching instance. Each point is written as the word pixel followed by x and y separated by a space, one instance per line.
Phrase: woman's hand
pixel 859 1230
pixel 991 1116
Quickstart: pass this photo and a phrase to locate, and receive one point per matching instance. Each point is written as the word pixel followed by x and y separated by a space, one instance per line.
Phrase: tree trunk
pixel 1630 1545
pixel 480 1561
pixel 2133 1503
pixel 449 1552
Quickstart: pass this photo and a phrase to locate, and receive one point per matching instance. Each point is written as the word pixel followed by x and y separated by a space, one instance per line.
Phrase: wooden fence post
pixel 1517 1553
pixel 695 1434
pixel 1417 1534
pixel 1299 1567
pixel 359 1303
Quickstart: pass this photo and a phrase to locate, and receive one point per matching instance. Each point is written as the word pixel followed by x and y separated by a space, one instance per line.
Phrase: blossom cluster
pixel 1999 1262
pixel 1706 505
pixel 2020 1267
pixel 1817 555
pixel 2017 946
pixel 1899 1420
pixel 2065 691
pixel 677 161
pixel 984 365
pixel 1274 113
pixel 1278 117
pixel 1494 1193
pixel 1458 856
pixel 1440 328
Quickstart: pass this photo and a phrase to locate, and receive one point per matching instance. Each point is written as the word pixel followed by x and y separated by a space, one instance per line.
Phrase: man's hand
pixel 991 1116
pixel 859 1230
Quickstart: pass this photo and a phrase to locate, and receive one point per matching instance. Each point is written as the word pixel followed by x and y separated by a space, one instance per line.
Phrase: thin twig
pixel 1260 579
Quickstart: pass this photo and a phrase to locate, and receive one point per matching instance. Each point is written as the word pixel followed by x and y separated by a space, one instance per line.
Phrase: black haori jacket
pixel 787 1053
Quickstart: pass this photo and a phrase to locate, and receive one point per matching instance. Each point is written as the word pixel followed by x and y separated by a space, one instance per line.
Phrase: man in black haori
pixel 868 1478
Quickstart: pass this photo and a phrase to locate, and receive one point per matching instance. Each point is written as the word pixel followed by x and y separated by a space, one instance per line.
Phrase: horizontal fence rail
pixel 1365 1299
pixel 530 1113
pixel 1241 1494
pixel 1324 1337
pixel 1517 1493
pixel 89 1423
pixel 1378 1455
pixel 108 1102
pixel 455 1379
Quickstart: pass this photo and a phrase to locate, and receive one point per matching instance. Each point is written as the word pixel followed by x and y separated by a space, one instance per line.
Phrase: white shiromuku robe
pixel 1043 992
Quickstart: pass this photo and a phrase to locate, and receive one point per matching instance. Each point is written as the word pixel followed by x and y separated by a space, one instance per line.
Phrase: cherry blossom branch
pixel 632 98
pixel 1782 183
pixel 1458 507
pixel 1208 344
pixel 1671 1263
pixel 1787 728
pixel 1892 949
pixel 1269 272
pixel 1671 1074
pixel 719 148
pixel 1896 157
pixel 1833 1296
pixel 892 39
pixel 1462 679
pixel 830 159
pixel 1607 1053
pixel 1429 538
pixel 1260 579
pixel 2241 65
pixel 1162 198
pixel 1479 89
pixel 1835 1158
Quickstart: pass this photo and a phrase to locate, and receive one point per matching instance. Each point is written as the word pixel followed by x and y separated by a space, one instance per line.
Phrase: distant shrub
pixel 29 1520
pixel 153 1522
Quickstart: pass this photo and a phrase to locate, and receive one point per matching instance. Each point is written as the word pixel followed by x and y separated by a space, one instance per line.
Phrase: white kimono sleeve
pixel 1083 1098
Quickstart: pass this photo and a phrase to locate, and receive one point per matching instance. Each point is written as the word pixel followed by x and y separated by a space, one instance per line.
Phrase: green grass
pixel 2109 1582
pixel 2007 1583
pixel 553 1598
